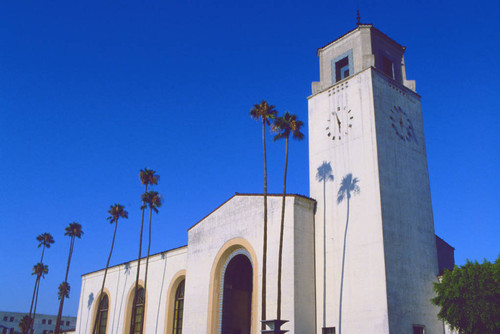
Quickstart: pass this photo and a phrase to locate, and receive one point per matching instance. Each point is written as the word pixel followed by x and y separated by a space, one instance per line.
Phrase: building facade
pixel 44 323
pixel 360 254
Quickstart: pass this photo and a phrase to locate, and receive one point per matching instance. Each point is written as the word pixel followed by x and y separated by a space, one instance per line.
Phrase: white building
pixel 360 255
pixel 44 323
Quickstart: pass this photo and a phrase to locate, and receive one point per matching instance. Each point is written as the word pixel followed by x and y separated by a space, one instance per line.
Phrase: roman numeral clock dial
pixel 339 124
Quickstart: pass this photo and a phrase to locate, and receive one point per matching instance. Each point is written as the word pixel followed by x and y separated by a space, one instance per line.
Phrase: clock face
pixel 402 124
pixel 339 123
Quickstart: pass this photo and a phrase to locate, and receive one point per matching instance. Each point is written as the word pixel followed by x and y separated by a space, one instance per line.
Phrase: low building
pixel 44 323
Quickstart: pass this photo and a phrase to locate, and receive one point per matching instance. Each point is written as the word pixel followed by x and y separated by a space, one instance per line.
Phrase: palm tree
pixel 40 270
pixel 24 324
pixel 72 230
pixel 284 126
pixel 63 290
pixel 44 241
pixel 116 211
pixel 265 113
pixel 148 177
pixel 324 174
pixel 348 187
pixel 153 200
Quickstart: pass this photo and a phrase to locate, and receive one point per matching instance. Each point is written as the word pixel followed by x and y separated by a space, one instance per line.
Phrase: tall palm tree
pixel 116 211
pixel 40 270
pixel 73 230
pixel 153 200
pixel 348 187
pixel 44 241
pixel 284 126
pixel 324 175
pixel 265 113
pixel 147 177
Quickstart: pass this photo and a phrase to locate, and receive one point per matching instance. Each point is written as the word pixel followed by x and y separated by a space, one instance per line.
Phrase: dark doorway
pixel 237 298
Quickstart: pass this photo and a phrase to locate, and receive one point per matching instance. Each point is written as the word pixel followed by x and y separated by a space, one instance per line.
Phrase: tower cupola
pixel 363 47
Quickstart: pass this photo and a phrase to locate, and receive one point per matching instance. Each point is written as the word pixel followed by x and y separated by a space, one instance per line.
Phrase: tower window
pixel 328 330
pixel 342 66
pixel 388 67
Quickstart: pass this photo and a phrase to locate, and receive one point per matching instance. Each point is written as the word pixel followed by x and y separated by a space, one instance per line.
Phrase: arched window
pixel 102 315
pixel 178 308
pixel 139 312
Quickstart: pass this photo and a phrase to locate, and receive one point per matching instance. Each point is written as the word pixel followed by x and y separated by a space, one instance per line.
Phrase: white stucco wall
pixel 390 258
pixel 120 282
pixel 242 218
pixel 364 302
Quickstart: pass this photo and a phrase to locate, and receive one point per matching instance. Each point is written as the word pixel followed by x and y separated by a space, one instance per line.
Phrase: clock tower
pixel 376 256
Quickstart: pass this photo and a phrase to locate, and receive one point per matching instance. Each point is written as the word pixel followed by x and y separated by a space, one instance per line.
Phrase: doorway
pixel 237 296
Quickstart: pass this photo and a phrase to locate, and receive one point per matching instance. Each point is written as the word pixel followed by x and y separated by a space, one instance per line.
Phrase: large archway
pixel 237 296
pixel 226 254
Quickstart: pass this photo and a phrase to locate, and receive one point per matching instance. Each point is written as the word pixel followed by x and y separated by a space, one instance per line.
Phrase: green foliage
pixel 263 111
pixel 24 324
pixel 469 297
pixel 64 290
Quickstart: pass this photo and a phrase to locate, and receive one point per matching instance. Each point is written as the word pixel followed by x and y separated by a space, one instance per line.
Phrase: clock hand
pixel 338 120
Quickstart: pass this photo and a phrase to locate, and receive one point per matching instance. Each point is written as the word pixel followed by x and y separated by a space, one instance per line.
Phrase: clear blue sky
pixel 91 92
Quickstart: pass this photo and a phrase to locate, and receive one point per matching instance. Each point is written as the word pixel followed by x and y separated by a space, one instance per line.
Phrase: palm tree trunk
pixel 264 243
pixel 36 282
pixel 343 263
pixel 32 304
pixel 61 303
pixel 147 257
pixel 33 298
pixel 282 227
pixel 132 320
pixel 36 302
pixel 104 278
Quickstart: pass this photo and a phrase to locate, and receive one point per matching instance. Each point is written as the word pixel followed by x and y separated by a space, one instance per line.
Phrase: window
pixel 50 322
pixel 178 308
pixel 328 330
pixel 418 329
pixel 139 312
pixel 388 66
pixel 342 67
pixel 67 323
pixel 44 321
pixel 11 319
pixel 4 330
pixel 5 318
pixel 102 315
pixel 44 332
pixel 11 331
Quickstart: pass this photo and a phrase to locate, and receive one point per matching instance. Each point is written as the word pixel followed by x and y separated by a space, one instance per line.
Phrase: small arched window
pixel 139 312
pixel 178 308
pixel 102 315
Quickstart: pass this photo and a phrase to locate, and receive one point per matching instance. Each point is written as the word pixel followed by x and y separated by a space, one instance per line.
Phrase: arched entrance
pixel 236 294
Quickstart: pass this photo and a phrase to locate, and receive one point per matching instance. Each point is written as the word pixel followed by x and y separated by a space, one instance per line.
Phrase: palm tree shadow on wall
pixel 348 187
pixel 126 272
pixel 324 175
pixel 89 305
pixel 164 258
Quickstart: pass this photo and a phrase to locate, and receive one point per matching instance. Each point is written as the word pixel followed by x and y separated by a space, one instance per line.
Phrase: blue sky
pixel 91 92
